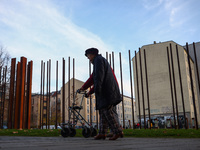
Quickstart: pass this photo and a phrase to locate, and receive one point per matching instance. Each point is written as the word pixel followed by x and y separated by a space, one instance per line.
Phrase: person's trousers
pixel 109 118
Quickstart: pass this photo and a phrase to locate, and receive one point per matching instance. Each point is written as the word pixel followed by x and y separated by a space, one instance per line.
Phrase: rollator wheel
pixel 94 132
pixel 86 132
pixel 65 132
pixel 72 132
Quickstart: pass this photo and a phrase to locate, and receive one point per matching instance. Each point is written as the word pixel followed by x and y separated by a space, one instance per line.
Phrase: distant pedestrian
pixel 107 94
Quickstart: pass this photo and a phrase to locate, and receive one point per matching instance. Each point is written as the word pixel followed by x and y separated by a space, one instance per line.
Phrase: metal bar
pixel 41 93
pixel 138 93
pixel 1 97
pixel 29 89
pixel 69 88
pixel 17 93
pixel 193 96
pixel 49 94
pixel 73 88
pixel 170 79
pixel 22 91
pixel 122 89
pixel 56 94
pixel 147 86
pixel 142 89
pixel 110 60
pixel 90 95
pixel 196 64
pixel 113 62
pixel 133 118
pixel 107 56
pixel 3 92
pixel 11 94
pixel 174 81
pixel 181 86
pixel 63 94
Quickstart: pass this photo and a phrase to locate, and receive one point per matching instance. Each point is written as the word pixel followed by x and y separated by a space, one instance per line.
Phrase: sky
pixel 57 29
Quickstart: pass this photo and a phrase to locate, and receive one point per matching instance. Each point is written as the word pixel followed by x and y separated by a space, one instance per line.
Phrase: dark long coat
pixel 105 85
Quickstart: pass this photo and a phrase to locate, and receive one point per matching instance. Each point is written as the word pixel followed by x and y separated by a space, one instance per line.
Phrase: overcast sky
pixel 56 29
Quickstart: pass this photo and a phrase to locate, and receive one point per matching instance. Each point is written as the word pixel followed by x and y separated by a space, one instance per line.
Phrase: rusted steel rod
pixel 131 84
pixel 138 93
pixel 11 94
pixel 90 95
pixel 147 86
pixel 41 94
pixel 193 96
pixel 63 94
pixel 174 81
pixel 73 88
pixel 56 94
pixel 142 88
pixel 113 62
pixel 47 94
pixel 181 86
pixel 3 98
pixel 69 88
pixel 170 79
pixel 122 90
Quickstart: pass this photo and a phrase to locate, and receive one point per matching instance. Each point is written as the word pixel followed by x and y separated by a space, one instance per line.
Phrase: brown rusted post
pixel 147 86
pixel 4 93
pixel 17 97
pixel 1 98
pixel 56 94
pixel 138 93
pixel 22 91
pixel 41 94
pixel 142 88
pixel 193 96
pixel 107 56
pixel 11 94
pixel 63 94
pixel 73 89
pixel 133 118
pixel 90 95
pixel 122 90
pixel 113 62
pixel 181 86
pixel 28 96
pixel 174 81
pixel 49 94
pixel 170 79
pixel 69 88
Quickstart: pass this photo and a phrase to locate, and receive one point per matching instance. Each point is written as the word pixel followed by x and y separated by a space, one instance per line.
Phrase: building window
pixel 87 109
pixel 94 109
pixel 94 118
pixel 88 101
pixel 88 118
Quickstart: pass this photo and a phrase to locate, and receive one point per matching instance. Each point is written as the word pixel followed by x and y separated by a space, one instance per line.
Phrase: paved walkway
pixel 59 143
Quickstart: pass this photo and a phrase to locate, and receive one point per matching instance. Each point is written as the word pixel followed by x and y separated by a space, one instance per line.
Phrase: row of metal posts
pixel 170 79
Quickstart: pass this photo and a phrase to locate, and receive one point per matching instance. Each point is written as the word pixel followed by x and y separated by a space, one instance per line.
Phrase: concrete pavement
pixel 71 143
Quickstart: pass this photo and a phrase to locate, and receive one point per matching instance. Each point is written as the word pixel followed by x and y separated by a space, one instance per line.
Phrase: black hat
pixel 91 51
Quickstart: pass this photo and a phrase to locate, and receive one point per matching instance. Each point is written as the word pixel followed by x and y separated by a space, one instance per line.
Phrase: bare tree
pixel 4 57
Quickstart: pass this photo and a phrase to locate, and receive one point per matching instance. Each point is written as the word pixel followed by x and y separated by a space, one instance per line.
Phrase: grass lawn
pixel 156 133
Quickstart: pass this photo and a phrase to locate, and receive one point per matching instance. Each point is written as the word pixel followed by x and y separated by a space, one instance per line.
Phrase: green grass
pixel 154 133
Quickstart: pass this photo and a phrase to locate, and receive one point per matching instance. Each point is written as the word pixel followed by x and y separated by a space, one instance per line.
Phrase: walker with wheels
pixel 74 114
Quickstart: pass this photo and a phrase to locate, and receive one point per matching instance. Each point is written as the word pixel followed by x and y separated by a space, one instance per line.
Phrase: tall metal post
pixel 132 102
pixel 122 89
pixel 3 98
pixel 113 62
pixel 107 56
pixel 11 94
pixel 170 79
pixel 181 86
pixel 196 64
pixel 63 94
pixel 49 94
pixel 193 96
pixel 69 90
pixel 110 60
pixel 41 94
pixel 174 81
pixel 138 93
pixel 90 95
pixel 56 94
pixel 147 86
pixel 142 89
pixel 73 88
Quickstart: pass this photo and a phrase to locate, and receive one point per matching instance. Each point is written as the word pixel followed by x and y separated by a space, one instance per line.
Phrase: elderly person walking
pixel 107 94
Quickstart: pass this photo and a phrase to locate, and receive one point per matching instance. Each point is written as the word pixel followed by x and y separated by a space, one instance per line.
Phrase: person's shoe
pixel 100 136
pixel 116 136
pixel 109 134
